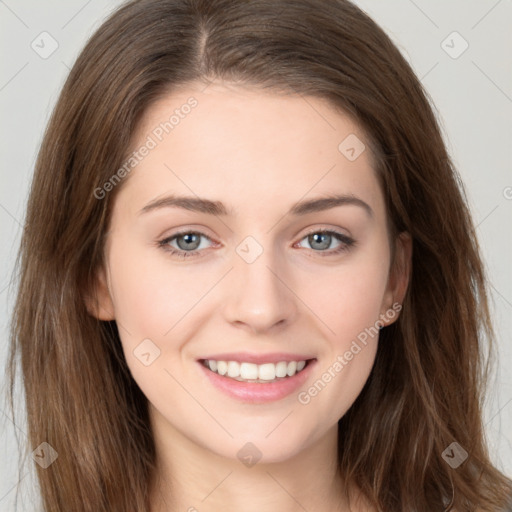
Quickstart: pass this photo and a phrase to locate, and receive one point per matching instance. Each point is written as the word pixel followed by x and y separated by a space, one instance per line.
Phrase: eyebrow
pixel 217 208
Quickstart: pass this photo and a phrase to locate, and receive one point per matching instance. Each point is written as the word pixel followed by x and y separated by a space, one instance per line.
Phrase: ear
pixel 398 280
pixel 98 300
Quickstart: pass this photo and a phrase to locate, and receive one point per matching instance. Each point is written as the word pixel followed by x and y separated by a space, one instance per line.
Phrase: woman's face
pixel 216 253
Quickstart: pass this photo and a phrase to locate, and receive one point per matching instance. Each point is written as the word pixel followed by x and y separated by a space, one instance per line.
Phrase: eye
pixel 320 240
pixel 189 243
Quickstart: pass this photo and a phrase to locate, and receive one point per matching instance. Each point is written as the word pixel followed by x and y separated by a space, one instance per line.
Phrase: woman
pixel 319 346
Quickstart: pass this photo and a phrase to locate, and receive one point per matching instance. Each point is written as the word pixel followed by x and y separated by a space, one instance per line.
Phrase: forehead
pixel 239 143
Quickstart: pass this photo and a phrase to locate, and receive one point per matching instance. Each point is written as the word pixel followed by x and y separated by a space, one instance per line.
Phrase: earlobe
pixel 98 300
pixel 399 275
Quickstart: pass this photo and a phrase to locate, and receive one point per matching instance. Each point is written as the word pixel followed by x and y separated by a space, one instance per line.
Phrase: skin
pixel 258 153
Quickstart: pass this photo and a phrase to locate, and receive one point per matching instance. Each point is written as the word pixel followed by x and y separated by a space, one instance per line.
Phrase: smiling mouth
pixel 256 373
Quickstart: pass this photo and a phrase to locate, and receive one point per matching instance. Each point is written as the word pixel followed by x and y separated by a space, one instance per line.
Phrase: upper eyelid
pixel 326 229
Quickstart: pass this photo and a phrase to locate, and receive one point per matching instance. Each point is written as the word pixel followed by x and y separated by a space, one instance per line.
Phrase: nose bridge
pixel 257 295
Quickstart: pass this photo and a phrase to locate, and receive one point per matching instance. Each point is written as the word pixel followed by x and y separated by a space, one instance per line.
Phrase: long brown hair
pixel 426 389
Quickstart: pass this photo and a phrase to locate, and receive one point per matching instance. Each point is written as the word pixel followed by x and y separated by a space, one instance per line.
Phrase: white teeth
pixel 292 368
pixel 249 371
pixel 222 367
pixel 267 371
pixel 281 369
pixel 233 369
pixel 255 372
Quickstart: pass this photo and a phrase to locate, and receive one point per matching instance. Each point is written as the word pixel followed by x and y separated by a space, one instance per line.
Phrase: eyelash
pixel 346 243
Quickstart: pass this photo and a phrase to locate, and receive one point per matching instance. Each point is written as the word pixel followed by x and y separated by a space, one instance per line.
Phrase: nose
pixel 258 297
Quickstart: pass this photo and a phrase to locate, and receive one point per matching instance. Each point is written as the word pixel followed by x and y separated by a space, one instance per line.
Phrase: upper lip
pixel 247 357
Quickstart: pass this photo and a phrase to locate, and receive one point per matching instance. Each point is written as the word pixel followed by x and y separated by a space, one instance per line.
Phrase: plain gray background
pixel 471 88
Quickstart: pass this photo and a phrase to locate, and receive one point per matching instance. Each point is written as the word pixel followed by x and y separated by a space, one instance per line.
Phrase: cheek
pixel 350 311
pixel 338 383
pixel 349 298
pixel 151 293
pixel 154 301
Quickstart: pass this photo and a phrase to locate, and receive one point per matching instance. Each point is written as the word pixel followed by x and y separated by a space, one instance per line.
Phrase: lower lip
pixel 254 392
